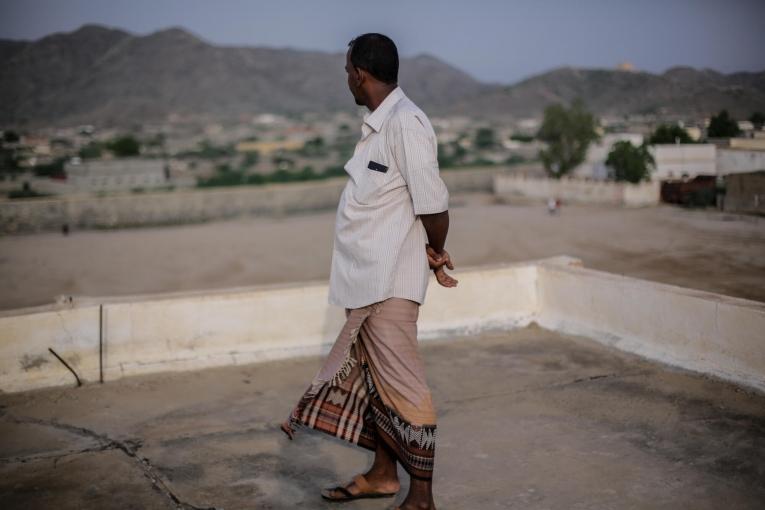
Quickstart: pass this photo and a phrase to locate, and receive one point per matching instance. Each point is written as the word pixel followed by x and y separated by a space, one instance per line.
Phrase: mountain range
pixel 107 76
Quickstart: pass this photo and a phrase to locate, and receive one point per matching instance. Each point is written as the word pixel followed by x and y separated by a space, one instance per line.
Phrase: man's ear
pixel 361 75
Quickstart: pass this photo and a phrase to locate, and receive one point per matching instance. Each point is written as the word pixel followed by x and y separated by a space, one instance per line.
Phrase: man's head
pixel 371 63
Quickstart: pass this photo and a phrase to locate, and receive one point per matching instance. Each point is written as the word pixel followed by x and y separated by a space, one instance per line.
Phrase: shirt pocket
pixel 372 181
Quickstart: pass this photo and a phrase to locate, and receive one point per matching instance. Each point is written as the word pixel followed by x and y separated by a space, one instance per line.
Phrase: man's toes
pixel 287 430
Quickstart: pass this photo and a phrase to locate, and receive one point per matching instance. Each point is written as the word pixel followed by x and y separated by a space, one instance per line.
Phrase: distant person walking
pixel 553 206
pixel 390 230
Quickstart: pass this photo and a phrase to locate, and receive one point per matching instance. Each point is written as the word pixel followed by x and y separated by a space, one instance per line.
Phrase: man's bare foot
pixel 288 430
pixel 382 481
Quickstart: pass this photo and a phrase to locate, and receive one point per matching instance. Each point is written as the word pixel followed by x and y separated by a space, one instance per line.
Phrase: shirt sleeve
pixel 415 151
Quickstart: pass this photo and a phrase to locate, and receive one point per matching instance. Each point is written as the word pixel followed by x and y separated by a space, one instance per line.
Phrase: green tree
pixel 11 136
pixel 450 154
pixel 523 138
pixel 568 133
pixel 757 119
pixel 124 146
pixel 669 133
pixel 256 179
pixel 484 138
pixel 224 176
pixel 334 171
pixel 630 163
pixel 722 125
pixel 251 159
pixel 52 169
pixel 206 150
pixel 9 161
pixel 10 155
pixel 307 174
pixel 92 150
pixel 282 162
pixel 314 147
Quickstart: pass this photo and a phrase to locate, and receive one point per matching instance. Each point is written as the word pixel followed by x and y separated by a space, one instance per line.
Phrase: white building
pixel 756 142
pixel 594 166
pixel 116 174
pixel 678 161
pixel 736 161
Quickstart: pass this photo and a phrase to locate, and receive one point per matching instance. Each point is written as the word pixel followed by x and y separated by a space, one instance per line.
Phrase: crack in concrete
pixel 222 434
pixel 63 325
pixel 544 387
pixel 129 448
pixel 55 456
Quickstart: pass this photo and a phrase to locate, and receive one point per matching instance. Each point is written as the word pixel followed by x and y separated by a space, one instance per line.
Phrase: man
pixel 390 230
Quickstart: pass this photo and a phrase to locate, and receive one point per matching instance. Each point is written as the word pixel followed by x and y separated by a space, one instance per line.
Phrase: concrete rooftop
pixel 529 419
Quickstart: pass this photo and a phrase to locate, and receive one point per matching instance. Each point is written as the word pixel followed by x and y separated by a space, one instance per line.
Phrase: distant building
pixel 745 193
pixel 529 125
pixel 116 174
pixel 594 166
pixel 269 147
pixel 683 161
pixel 694 132
pixel 736 161
pixel 678 161
pixel 754 143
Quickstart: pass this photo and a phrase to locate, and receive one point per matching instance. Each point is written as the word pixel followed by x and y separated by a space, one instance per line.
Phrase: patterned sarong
pixel 372 387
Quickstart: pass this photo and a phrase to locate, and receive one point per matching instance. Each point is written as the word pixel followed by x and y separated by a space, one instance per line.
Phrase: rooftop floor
pixel 527 419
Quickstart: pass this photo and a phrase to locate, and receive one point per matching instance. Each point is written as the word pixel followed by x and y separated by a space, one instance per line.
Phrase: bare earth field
pixel 706 250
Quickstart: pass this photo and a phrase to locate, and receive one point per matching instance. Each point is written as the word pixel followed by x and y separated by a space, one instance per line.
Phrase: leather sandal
pixel 365 489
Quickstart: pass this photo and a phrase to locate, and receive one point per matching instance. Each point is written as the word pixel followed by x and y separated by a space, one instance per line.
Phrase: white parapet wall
pixel 183 331
pixel 134 335
pixel 25 361
pixel 579 191
pixel 692 329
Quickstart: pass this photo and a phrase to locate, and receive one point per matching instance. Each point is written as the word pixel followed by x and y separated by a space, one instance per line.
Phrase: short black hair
pixel 377 54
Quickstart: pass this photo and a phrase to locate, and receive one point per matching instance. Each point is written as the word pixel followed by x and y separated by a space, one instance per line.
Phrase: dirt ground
pixel 706 250
pixel 528 419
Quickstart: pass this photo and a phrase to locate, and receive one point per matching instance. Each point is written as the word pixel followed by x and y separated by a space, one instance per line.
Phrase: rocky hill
pixel 107 76
pixel 680 91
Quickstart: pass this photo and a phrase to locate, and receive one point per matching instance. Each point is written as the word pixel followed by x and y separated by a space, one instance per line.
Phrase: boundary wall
pixel 578 190
pixel 700 331
pixel 198 205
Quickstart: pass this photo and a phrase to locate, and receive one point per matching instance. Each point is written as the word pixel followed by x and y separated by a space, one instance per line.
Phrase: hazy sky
pixel 500 41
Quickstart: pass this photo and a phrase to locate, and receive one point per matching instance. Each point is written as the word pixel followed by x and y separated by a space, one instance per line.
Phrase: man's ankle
pixel 411 505
pixel 382 474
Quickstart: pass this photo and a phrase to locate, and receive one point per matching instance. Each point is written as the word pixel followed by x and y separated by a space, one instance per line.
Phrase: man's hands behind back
pixel 437 261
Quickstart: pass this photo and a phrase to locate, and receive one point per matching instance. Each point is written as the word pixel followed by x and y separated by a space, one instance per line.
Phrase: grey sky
pixel 500 41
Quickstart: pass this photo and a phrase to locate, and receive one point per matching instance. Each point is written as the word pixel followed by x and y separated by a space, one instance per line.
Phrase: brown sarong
pixel 372 387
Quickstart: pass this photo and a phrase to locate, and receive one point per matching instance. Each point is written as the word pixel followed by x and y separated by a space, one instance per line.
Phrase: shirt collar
pixel 374 120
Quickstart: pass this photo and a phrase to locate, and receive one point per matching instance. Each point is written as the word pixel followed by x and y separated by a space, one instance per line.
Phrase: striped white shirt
pixel 379 246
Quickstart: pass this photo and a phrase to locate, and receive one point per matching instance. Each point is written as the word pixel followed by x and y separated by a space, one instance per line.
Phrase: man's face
pixel 354 79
